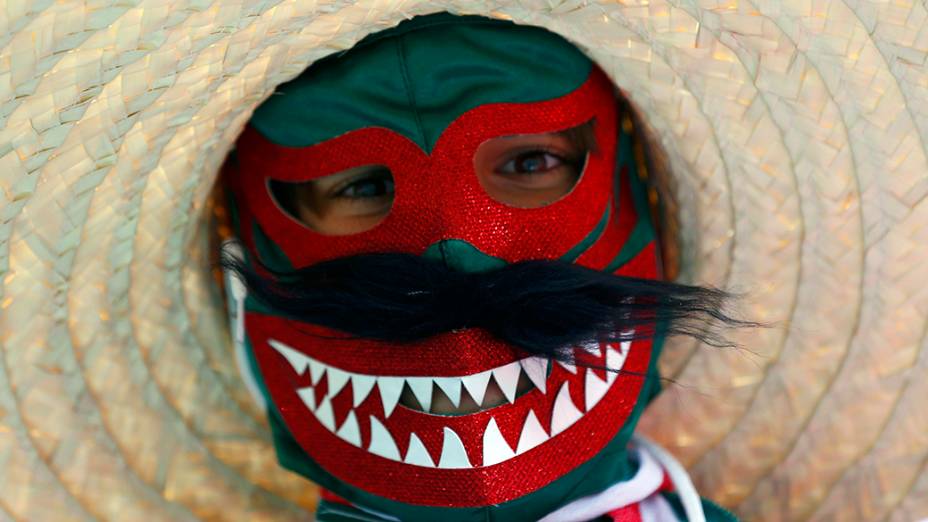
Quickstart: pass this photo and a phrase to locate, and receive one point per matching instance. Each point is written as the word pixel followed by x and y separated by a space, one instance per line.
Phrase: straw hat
pixel 795 134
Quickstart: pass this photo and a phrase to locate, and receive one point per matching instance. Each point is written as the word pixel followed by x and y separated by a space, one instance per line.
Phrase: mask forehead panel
pixel 418 78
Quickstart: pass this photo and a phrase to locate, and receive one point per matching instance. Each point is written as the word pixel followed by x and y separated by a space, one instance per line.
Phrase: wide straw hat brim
pixel 795 134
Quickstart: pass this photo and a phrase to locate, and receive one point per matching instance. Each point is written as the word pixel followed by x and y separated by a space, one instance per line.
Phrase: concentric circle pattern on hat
pixel 796 135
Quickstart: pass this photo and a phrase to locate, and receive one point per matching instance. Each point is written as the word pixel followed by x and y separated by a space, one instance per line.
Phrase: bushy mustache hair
pixel 545 307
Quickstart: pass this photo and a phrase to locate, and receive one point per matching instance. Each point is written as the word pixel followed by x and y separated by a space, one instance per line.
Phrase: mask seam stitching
pixel 410 94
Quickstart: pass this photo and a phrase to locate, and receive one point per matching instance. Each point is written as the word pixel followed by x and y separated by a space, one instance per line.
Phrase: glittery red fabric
pixel 477 486
pixel 438 196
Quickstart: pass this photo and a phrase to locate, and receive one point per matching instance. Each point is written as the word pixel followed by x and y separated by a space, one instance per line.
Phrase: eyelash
pixel 384 179
pixel 565 161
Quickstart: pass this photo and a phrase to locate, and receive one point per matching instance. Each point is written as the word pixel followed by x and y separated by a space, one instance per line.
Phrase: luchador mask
pixel 419 100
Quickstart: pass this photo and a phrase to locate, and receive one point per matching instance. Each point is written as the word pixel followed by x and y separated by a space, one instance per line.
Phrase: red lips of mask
pixel 339 397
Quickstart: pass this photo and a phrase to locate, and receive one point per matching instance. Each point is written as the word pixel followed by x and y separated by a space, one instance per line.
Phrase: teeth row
pixel 495 448
pixel 506 377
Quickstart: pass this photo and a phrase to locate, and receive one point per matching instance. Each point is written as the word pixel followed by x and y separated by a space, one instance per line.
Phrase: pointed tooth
pixel 564 413
pixel 417 455
pixel 422 388
pixel 298 361
pixel 615 359
pixel 382 442
pixel 308 396
pixel 316 369
pixel 507 377
pixel 595 388
pixel 453 454
pixel 537 370
pixel 361 386
pixel 452 388
pixel 325 414
pixel 571 367
pixel 593 348
pixel 390 389
pixel 337 380
pixel 476 385
pixel 495 447
pixel 350 431
pixel 532 434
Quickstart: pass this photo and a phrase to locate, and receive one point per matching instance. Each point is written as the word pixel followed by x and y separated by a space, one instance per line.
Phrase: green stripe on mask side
pixel 419 77
pixel 272 257
pixel 590 239
pixel 643 233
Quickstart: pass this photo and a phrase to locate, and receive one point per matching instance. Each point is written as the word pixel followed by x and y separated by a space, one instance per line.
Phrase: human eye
pixel 346 202
pixel 533 170
pixel 534 162
pixel 372 184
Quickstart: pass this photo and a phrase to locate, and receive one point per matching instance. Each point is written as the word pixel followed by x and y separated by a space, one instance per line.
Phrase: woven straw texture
pixel 796 134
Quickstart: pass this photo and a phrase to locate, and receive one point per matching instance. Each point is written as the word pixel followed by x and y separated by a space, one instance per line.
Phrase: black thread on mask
pixel 545 307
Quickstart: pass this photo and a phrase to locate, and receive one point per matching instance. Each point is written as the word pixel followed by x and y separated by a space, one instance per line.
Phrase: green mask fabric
pixel 418 77
pixel 417 84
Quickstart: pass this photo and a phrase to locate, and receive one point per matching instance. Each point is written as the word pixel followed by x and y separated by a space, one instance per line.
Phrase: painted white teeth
pixel 615 359
pixel 316 369
pixel 453 454
pixel 350 431
pixel 361 386
pixel 594 388
pixel 564 413
pixel 337 380
pixel 593 348
pixel 417 454
pixel 451 386
pixel 390 390
pixel 572 368
pixel 325 415
pixel 308 396
pixel 382 442
pixel 422 388
pixel 495 447
pixel 476 385
pixel 297 360
pixel 536 368
pixel 532 434
pixel 507 377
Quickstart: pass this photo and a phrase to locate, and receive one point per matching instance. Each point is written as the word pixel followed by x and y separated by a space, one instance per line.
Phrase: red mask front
pixel 339 398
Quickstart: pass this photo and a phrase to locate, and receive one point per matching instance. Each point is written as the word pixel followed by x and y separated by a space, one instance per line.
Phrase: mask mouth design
pixel 348 404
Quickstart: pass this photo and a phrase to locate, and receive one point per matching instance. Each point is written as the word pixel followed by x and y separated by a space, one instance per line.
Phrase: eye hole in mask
pixel 534 170
pixel 344 203
pixel 522 171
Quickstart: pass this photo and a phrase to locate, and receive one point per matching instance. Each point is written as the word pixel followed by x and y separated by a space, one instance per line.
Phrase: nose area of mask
pixel 462 256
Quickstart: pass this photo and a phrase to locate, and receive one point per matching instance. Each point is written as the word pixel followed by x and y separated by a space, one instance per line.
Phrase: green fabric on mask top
pixel 418 77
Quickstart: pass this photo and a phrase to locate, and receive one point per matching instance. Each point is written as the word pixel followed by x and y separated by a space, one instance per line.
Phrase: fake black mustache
pixel 545 307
